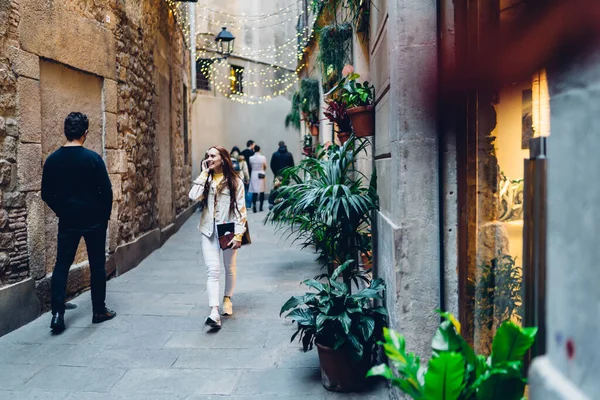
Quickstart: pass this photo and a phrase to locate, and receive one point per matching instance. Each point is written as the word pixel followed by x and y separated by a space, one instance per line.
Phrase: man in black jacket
pixel 281 159
pixel 75 185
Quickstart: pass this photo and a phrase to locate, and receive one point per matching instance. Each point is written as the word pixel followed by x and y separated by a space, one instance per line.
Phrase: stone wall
pixel 97 57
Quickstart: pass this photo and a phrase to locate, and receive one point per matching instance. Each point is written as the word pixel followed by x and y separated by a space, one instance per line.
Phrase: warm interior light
pixel 540 104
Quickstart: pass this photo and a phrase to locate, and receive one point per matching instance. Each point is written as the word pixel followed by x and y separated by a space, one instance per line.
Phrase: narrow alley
pixel 158 348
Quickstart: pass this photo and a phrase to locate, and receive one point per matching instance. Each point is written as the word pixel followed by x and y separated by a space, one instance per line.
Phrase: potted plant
pixel 337 113
pixel 343 326
pixel 312 121
pixel 359 98
pixel 455 371
pixel 329 206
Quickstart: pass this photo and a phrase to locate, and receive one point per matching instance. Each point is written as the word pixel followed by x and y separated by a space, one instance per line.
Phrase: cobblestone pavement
pixel 157 347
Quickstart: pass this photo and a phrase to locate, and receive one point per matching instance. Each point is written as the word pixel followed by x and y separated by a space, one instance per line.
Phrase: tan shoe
pixel 227 307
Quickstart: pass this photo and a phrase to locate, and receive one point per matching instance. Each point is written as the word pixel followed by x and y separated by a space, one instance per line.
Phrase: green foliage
pixel 293 118
pixel 497 292
pixel 359 11
pixel 326 203
pixel 455 371
pixel 353 93
pixel 334 317
pixel 310 96
pixel 337 114
pixel 305 104
pixel 332 50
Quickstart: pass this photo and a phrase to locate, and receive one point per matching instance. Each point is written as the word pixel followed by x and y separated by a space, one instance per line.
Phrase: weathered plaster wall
pixel 573 299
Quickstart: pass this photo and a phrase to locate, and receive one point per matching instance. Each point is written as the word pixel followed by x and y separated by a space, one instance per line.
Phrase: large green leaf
pixel 444 377
pixel 358 347
pixel 381 370
pixel 502 384
pixel 315 284
pixel 346 321
pixel 293 302
pixel 367 294
pixel 302 316
pixel 366 326
pixel 320 321
pixel 407 364
pixel 511 342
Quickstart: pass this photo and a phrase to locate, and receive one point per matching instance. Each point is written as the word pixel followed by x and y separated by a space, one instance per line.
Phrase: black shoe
pixel 254 209
pixel 58 323
pixel 105 315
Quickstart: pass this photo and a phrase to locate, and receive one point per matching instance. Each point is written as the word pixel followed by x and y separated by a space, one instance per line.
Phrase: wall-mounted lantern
pixel 225 42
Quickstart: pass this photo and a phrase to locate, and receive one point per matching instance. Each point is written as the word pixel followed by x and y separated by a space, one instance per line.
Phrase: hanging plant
pixel 305 104
pixel 310 95
pixel 293 118
pixel 332 51
pixel 360 10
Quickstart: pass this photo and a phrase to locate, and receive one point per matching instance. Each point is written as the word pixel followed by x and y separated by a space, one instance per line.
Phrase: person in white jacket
pixel 221 194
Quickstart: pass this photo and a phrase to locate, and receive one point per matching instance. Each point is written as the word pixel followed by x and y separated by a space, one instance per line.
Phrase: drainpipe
pixel 440 165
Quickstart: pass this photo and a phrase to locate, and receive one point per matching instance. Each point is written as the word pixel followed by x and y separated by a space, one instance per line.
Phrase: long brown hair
pixel 230 179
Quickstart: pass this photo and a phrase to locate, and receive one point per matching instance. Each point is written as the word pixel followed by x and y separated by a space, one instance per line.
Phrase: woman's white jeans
pixel 212 259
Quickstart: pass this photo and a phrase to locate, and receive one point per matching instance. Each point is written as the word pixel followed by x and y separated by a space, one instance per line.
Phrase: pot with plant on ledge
pixel 312 121
pixel 344 326
pixel 336 113
pixel 359 99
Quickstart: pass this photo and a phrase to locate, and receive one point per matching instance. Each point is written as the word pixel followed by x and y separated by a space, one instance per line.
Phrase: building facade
pixel 474 216
pixel 127 66
pixel 247 95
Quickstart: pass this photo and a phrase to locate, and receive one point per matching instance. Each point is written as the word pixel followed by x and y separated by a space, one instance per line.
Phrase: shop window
pixel 493 239
pixel 203 73
pixel 236 78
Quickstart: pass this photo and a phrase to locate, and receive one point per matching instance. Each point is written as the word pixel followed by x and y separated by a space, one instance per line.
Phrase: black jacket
pixel 247 154
pixel 75 185
pixel 281 159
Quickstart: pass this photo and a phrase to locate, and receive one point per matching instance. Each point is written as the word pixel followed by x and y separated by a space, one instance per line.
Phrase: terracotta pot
pixel 343 136
pixel 314 130
pixel 341 371
pixel 363 120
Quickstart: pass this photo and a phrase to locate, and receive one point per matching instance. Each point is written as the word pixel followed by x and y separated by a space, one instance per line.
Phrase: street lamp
pixel 225 41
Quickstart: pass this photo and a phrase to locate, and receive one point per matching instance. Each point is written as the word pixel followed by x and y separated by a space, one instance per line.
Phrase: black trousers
pixel 255 197
pixel 68 241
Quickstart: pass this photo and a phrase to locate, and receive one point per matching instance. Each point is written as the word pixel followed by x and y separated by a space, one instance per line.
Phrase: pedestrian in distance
pixel 258 181
pixel 75 185
pixel 240 166
pixel 221 194
pixel 247 153
pixel 281 159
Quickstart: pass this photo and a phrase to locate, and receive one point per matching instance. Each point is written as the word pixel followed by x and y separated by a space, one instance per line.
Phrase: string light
pixel 248 52
pixel 182 20
pixel 257 16
pixel 236 25
pixel 291 50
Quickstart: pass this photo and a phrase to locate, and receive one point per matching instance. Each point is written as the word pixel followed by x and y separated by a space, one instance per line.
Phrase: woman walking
pixel 258 181
pixel 221 194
